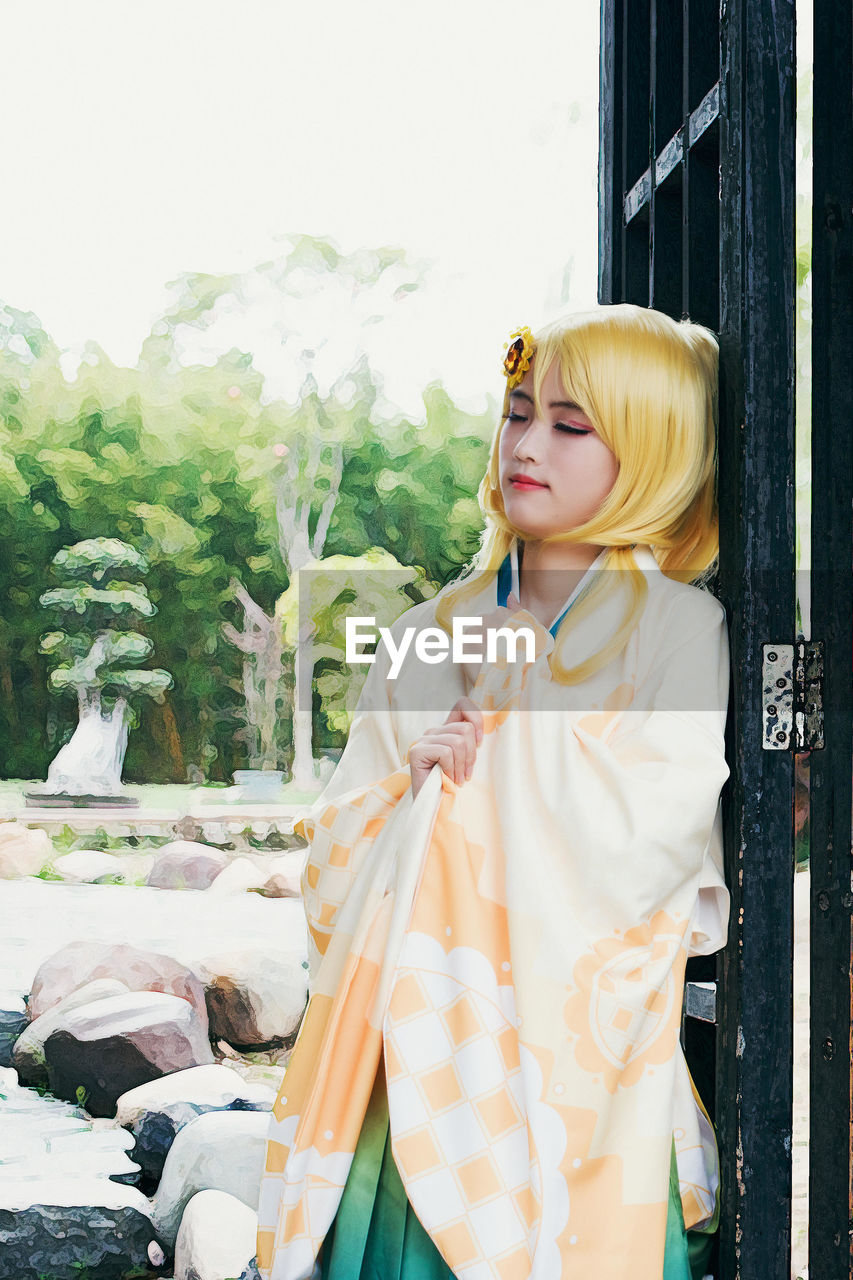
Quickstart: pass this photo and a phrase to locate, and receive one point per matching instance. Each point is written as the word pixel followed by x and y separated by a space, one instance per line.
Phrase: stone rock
pixel 217 1237
pixel 13 1020
pixel 42 1137
pixel 284 875
pixel 218 1151
pixel 120 1042
pixel 137 864
pixel 85 866
pixel 186 864
pixel 28 1053
pixel 239 876
pixel 23 850
pixel 155 1112
pixel 64 1227
pixel 254 998
pixel 80 962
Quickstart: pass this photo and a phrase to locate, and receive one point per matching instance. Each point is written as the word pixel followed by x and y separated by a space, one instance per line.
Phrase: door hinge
pixel 792 696
pixel 700 1001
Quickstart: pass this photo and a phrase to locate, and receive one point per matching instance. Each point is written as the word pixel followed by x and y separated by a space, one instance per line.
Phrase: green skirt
pixel 376 1234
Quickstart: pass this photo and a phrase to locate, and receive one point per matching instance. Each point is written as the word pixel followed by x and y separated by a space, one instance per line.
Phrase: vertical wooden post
pixel 755 1077
pixel 728 169
pixel 830 1205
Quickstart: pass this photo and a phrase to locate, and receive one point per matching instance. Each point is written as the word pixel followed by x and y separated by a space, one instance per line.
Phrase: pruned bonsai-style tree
pixel 99 651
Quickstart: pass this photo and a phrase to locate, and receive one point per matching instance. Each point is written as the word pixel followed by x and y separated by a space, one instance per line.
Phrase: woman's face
pixel 562 451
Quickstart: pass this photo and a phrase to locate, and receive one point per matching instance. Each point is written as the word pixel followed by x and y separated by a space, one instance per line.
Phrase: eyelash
pixel 560 426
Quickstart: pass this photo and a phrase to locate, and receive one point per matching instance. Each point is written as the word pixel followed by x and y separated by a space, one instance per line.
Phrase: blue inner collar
pixel 505 585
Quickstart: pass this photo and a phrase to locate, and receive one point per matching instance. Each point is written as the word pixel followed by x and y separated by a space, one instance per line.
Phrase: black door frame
pixel 696 217
pixel 830 1192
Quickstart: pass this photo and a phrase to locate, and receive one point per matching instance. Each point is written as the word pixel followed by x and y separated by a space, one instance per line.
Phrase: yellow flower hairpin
pixel 518 355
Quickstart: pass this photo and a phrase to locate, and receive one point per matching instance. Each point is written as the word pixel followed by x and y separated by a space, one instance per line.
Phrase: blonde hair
pixel 648 384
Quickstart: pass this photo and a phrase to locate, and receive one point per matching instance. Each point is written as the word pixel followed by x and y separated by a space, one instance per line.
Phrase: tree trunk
pixel 303 679
pixel 173 743
pixel 91 761
pixel 270 679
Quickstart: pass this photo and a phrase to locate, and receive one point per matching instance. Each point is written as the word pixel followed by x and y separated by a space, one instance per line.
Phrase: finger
pixel 425 756
pixel 450 733
pixel 457 745
pixel 460 749
pixel 470 730
pixel 474 714
pixel 465 729
pixel 471 745
pixel 466 737
pixel 463 708
pixel 466 709
pixel 513 601
pixel 449 762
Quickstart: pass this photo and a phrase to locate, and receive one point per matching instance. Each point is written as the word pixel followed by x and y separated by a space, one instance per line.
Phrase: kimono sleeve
pixel 713 903
pixel 372 751
pixel 371 754
pixel 645 784
pixel 693 681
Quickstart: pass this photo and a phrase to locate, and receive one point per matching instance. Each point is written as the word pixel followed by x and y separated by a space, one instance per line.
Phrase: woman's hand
pixel 453 745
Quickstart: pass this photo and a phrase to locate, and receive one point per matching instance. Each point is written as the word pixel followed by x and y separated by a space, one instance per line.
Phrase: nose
pixel 529 442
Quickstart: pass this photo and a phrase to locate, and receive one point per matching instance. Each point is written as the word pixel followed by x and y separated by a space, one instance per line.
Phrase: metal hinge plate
pixel 700 1001
pixel 792 696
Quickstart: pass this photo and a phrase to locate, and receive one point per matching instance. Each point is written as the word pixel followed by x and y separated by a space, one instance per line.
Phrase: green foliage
pixel 48 872
pixel 68 839
pixel 88 656
pixel 326 591
pixel 114 598
pixel 96 557
pixel 181 464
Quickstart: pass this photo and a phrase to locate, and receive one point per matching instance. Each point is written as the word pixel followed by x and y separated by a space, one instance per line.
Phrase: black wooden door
pixel 696 218
pixel 830 1199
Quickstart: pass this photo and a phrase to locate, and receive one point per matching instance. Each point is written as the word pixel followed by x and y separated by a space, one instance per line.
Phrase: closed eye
pixel 558 426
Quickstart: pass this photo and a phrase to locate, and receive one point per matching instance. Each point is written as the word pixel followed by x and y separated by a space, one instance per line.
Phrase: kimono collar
pixel 508 579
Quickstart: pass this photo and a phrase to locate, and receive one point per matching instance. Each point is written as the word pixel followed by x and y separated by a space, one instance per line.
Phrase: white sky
pixel 148 139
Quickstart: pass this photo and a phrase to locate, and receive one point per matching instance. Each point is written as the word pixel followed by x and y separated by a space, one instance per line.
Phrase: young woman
pixel 489 1082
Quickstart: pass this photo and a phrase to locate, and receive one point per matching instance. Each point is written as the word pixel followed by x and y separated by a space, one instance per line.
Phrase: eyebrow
pixel 555 404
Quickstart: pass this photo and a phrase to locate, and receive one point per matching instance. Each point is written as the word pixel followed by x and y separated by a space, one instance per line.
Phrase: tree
pixel 187 461
pixel 98 654
pixel 306 481
pixel 260 643
pixel 312 613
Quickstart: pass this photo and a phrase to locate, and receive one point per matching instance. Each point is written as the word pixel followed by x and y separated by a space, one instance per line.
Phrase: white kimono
pixel 515 947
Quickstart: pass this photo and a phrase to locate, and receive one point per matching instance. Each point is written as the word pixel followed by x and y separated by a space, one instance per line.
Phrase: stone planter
pixel 258 785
